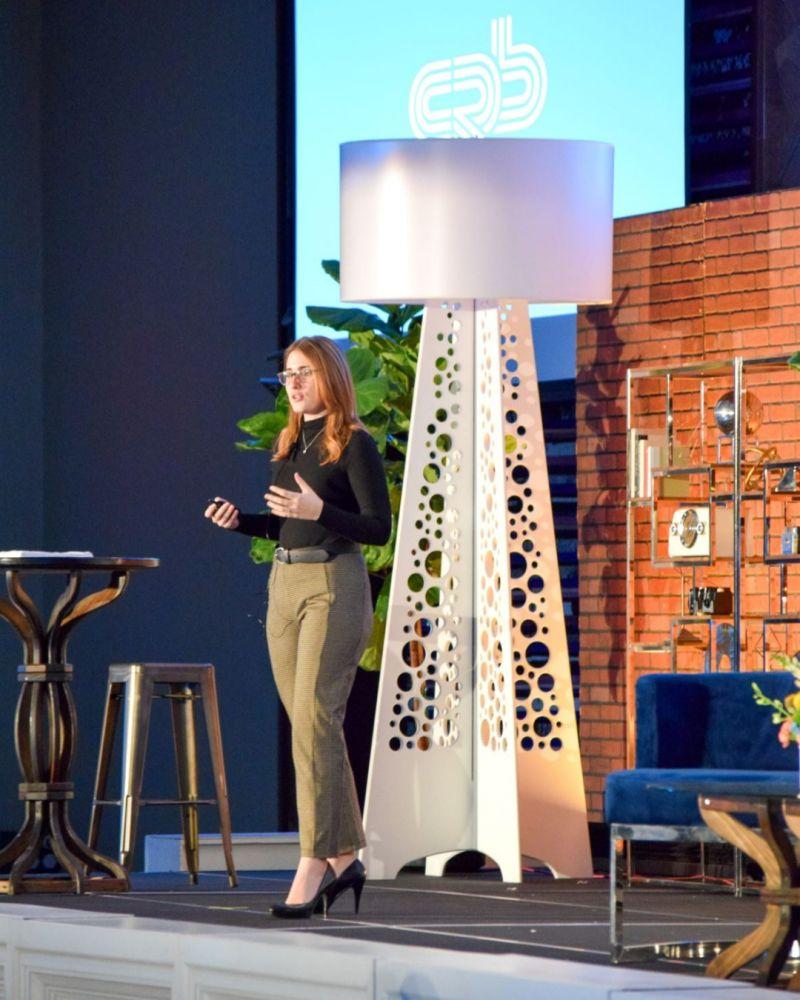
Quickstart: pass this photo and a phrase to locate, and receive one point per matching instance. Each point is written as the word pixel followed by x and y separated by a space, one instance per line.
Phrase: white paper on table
pixel 26 553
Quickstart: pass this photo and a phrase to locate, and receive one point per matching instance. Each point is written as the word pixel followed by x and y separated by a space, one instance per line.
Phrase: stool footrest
pixel 158 802
pixel 178 802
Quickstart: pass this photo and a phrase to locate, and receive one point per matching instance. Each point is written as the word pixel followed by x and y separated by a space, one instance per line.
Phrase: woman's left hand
pixel 289 503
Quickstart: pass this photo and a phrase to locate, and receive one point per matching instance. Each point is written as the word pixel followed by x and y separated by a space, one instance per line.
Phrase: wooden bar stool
pixel 135 685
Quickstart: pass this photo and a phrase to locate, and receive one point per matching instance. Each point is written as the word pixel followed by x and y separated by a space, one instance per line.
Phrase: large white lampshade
pixel 445 219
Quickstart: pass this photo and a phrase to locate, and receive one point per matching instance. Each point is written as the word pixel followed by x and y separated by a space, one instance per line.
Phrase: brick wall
pixel 692 284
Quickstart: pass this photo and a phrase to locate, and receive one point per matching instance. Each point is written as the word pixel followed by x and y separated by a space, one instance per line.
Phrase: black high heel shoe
pixel 290 911
pixel 353 877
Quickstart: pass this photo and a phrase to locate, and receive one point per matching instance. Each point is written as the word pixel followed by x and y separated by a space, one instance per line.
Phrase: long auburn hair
pixel 337 395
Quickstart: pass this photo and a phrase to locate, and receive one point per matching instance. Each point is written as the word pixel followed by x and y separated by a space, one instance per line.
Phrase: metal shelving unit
pixel 681 460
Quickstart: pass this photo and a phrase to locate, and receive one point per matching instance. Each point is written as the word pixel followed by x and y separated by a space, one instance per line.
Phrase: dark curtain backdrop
pixel 138 301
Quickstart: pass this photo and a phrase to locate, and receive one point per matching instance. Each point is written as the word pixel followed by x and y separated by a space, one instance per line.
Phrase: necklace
pixel 303 436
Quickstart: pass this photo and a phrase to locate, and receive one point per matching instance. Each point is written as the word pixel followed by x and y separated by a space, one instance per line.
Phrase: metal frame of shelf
pixel 736 369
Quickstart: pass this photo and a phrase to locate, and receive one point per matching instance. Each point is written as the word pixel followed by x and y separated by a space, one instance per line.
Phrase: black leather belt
pixel 313 555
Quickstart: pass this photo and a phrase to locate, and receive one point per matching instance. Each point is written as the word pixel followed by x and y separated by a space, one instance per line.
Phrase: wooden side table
pixel 769 845
pixel 46 724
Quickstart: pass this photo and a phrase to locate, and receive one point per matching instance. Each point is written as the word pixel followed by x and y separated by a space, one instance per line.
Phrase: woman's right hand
pixel 223 513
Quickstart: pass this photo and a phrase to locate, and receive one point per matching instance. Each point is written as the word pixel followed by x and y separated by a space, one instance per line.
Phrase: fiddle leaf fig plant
pixel 383 362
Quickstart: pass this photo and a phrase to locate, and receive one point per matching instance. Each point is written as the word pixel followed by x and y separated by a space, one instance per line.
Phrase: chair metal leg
pixel 214 731
pixel 183 728
pixel 139 697
pixel 107 738
pixel 738 873
pixel 616 885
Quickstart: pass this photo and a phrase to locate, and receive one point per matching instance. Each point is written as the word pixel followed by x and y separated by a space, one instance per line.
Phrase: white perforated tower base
pixel 475 743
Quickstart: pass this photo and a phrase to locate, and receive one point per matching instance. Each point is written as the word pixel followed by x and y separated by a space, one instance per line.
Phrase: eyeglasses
pixel 301 374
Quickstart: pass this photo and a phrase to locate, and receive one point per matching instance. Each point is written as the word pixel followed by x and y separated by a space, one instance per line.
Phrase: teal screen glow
pixel 610 70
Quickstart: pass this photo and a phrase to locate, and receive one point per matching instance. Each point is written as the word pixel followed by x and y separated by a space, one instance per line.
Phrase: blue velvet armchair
pixel 692 728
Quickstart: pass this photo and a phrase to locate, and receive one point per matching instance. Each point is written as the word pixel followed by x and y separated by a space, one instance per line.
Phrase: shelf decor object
pixel 475 743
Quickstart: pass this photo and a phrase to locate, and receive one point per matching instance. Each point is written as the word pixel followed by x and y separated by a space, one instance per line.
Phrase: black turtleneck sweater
pixel 353 491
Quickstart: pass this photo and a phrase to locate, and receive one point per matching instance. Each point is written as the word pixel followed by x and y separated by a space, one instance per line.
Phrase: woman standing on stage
pixel 328 494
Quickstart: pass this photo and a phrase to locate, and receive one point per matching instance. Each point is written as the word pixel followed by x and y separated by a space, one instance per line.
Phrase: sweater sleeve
pixel 372 525
pixel 259 525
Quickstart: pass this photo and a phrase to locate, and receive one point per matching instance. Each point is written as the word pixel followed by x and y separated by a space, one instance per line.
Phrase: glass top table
pixel 774 810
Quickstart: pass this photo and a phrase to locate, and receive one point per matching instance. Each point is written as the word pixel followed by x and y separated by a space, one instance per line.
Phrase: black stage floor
pixel 564 918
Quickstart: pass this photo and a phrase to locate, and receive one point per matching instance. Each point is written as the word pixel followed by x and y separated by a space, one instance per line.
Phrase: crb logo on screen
pixel 477 94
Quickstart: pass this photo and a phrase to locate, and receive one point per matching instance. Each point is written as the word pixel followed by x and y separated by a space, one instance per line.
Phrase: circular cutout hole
pixel 517 597
pixel 433 596
pixel 522 690
pixel 537 655
pixel 437 564
pixel 408 725
pixel 429 689
pixel 413 654
pixel 518 565
pixel 520 475
pixel 444 442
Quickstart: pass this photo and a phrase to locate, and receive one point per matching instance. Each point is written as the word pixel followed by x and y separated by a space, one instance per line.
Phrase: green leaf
pixel 371 658
pixel 794 361
pixel 379 557
pixel 369 393
pixel 380 440
pixel 395 495
pixel 250 446
pixel 362 362
pixel 262 425
pixel 262 550
pixel 407 313
pixel 369 340
pixel 345 320
pixel 389 308
pixel 331 268
pixel 382 601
